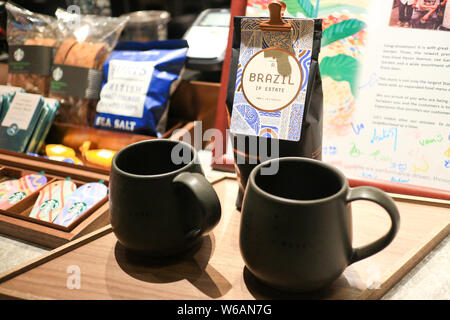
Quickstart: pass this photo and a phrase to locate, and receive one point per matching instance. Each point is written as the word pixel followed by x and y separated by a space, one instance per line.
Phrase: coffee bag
pixel 274 96
pixel 32 41
pixel 76 77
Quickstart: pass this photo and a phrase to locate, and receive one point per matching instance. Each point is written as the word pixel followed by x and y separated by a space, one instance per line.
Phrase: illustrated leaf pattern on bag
pixel 341 68
pixel 341 30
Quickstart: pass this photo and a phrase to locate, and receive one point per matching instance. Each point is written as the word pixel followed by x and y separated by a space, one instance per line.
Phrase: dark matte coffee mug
pixel 160 202
pixel 296 225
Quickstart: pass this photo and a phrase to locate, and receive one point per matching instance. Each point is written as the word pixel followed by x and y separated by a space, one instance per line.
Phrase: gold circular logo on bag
pixel 272 79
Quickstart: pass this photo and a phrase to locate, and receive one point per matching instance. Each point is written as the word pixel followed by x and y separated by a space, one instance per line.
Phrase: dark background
pixel 175 7
pixel 183 12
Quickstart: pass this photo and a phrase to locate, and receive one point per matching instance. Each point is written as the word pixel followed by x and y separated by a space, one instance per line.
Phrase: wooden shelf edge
pixel 55 253
pixel 407 266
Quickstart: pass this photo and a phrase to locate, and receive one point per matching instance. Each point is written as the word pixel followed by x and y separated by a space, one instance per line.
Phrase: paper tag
pixel 126 90
pixel 30 59
pixel 25 186
pixel 32 182
pixel 272 79
pixel 52 199
pixel 84 198
pixel 7 186
pixel 21 110
pixel 79 82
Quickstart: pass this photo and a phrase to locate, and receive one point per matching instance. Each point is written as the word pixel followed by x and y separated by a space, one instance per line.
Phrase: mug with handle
pixel 296 225
pixel 160 201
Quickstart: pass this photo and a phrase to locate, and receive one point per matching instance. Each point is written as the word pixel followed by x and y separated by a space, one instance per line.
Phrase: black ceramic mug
pixel 296 225
pixel 160 202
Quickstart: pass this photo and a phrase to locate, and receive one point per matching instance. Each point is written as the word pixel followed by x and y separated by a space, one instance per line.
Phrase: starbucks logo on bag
pixel 12 130
pixel 16 197
pixel 19 54
pixel 57 74
pixel 77 208
pixel 49 205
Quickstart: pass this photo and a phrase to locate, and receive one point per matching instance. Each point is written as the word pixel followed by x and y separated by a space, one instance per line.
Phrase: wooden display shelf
pixel 191 101
pixel 15 221
pixel 217 270
pixel 73 136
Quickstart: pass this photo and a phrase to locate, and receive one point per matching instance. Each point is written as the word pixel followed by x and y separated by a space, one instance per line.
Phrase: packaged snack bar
pixel 76 75
pixel 43 126
pixel 6 94
pixel 20 119
pixel 32 40
pixel 139 80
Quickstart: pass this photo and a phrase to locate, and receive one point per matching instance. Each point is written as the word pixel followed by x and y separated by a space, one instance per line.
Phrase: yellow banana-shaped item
pixel 59 150
pixel 101 157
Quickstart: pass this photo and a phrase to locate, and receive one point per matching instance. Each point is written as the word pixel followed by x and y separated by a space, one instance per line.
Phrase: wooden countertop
pixel 217 270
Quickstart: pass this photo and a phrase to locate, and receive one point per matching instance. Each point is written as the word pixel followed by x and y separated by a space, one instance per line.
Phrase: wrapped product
pixel 274 97
pixel 76 73
pixel 6 94
pixel 32 40
pixel 139 79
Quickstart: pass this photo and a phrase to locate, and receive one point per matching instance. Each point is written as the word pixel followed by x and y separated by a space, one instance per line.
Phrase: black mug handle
pixel 206 197
pixel 386 202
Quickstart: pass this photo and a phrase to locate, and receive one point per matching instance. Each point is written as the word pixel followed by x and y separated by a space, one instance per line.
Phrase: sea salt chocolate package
pixel 139 79
pixel 274 95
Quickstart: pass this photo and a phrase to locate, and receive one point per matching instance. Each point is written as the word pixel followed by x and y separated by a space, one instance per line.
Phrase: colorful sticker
pixel 52 199
pixel 7 186
pixel 83 199
pixel 25 186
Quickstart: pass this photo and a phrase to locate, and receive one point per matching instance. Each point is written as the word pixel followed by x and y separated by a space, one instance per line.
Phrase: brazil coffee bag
pixel 274 95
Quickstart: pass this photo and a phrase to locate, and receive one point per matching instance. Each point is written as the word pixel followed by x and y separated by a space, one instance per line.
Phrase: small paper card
pixel 272 80
pixel 20 120
pixel 7 186
pixel 52 199
pixel 21 188
pixel 22 110
pixel 83 199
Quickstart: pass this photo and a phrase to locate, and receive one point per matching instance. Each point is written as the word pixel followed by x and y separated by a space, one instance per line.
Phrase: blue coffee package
pixel 139 79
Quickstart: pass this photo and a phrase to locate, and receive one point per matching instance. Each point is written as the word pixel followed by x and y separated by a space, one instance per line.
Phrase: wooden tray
pixel 15 221
pixel 217 270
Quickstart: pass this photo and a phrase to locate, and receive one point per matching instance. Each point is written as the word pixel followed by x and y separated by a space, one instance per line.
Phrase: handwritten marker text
pixel 354 151
pixel 385 134
pixel 394 179
pixel 436 139
pixel 357 128
pixel 423 168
